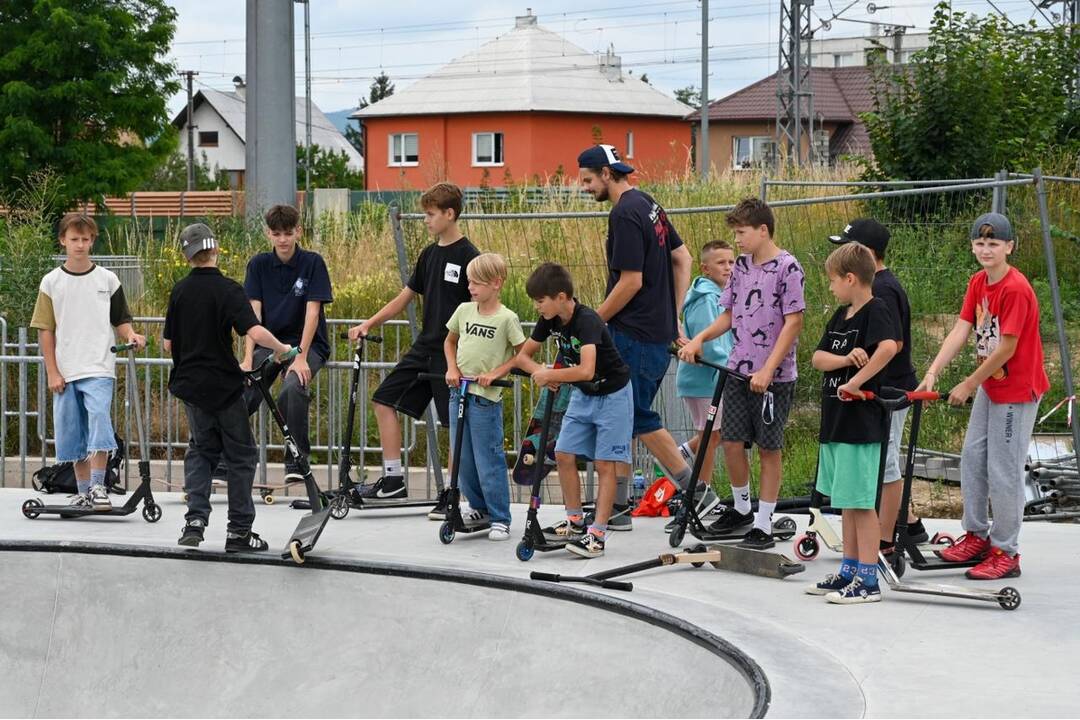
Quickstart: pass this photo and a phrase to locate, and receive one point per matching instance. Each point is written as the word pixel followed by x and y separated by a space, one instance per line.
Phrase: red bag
pixel 654 502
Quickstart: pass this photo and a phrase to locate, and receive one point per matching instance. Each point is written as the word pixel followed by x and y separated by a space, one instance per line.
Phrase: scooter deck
pixel 751 562
pixel 306 534
pixel 779 532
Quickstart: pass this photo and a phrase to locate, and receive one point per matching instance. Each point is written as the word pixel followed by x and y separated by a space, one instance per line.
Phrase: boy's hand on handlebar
pixel 688 353
pixel 858 357
pixel 681 340
pixel 358 331
pixel 453 377
pixel 281 352
pixel 961 393
pixel 848 391
pixel 542 378
pixel 139 341
pixel 245 365
pixel 759 381
pixel 487 378
pixel 928 382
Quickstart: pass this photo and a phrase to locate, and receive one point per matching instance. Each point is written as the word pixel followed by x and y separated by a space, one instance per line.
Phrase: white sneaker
pixel 499 532
pixel 79 502
pixel 99 498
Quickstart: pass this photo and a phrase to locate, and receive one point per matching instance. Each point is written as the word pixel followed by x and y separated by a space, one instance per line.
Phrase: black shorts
pixel 406 393
pixel 748 418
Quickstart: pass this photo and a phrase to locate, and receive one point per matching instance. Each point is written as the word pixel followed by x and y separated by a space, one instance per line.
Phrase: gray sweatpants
pixel 992 469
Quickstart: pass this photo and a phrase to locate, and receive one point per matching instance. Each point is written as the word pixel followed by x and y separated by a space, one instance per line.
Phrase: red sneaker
pixel 967 548
pixel 998 564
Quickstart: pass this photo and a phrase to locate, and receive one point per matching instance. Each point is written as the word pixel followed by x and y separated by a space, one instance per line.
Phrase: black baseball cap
pixel 196 237
pixel 1002 228
pixel 865 231
pixel 599 156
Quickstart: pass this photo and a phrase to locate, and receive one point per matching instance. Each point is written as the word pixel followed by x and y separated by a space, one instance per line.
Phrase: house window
pixel 487 148
pixel 404 150
pixel 208 139
pixel 630 144
pixel 750 151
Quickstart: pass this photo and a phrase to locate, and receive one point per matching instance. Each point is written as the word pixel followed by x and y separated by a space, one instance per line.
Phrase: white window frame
pixel 501 147
pixel 392 160
pixel 755 140
pixel 629 144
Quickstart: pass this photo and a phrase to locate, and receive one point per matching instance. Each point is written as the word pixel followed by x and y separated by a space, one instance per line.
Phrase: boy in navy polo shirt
pixel 287 288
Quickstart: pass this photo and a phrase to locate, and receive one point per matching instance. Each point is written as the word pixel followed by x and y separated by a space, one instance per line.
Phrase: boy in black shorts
pixel 439 276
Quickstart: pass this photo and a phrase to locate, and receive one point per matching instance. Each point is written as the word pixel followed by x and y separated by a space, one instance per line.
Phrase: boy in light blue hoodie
pixel 695 383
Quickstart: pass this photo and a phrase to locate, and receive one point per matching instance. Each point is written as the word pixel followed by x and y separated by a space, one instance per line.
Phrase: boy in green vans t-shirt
pixel 483 338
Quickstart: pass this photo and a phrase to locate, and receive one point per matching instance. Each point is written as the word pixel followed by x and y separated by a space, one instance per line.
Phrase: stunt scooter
pixel 151 511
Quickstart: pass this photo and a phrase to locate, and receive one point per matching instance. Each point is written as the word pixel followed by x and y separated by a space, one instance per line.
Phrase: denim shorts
pixel 896 436
pixel 598 427
pixel 82 418
pixel 648 364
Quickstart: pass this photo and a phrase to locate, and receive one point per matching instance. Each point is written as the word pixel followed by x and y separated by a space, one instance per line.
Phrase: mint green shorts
pixel 848 474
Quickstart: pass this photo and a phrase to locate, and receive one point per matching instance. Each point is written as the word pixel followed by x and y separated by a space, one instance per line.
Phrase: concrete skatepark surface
pixel 908 656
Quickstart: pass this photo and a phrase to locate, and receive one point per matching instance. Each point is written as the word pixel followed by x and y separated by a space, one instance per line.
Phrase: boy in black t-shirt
pixel 899 373
pixel 858 343
pixel 598 423
pixel 204 310
pixel 439 276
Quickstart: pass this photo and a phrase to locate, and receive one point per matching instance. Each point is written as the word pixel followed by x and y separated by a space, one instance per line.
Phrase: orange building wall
pixel 535 145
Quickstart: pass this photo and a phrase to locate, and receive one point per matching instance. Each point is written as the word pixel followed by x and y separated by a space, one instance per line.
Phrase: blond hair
pixel 852 258
pixel 486 268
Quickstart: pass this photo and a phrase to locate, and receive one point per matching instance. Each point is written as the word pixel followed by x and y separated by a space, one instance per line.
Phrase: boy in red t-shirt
pixel 1008 383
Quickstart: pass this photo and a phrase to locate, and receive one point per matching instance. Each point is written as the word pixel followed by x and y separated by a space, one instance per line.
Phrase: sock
pixel 83 486
pixel 598 530
pixel 687 453
pixel 575 516
pixel 682 478
pixel 391 467
pixel 742 499
pixel 763 518
pixel 97 477
pixel 622 491
pixel 848 568
pixel 885 544
pixel 868 574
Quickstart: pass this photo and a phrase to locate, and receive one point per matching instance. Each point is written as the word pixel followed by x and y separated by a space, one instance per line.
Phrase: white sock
pixel 391 467
pixel 687 453
pixel 763 518
pixel 742 498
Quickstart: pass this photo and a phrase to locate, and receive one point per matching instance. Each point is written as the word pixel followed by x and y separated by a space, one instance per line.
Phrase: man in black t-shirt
pixel 439 277
pixel 204 310
pixel 598 422
pixel 899 373
pixel 648 276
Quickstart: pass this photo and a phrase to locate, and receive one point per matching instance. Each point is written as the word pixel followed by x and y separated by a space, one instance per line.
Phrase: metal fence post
pixel 764 187
pixel 22 407
pixel 3 403
pixel 1055 295
pixel 1000 192
pixel 403 267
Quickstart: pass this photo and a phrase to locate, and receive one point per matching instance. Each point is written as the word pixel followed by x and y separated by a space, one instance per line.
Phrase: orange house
pixel 519 110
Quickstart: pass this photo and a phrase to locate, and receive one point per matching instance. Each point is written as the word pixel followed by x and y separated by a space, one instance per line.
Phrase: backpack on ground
pixel 60 478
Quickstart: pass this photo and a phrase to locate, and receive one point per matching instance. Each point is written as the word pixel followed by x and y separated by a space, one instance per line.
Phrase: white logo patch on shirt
pixel 452 273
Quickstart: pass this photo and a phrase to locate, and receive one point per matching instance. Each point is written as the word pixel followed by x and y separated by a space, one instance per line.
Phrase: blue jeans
pixel 81 418
pixel 482 466
pixel 648 364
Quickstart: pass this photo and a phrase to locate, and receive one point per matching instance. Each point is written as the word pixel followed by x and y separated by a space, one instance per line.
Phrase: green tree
pixel 986 94
pixel 27 244
pixel 381 87
pixel 689 95
pixel 83 89
pixel 172 175
pixel 329 169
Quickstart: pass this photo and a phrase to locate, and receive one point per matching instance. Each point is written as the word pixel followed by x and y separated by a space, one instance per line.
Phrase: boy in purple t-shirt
pixel 764 301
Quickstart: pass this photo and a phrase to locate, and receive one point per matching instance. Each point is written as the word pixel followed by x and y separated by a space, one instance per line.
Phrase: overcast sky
pixel 352 40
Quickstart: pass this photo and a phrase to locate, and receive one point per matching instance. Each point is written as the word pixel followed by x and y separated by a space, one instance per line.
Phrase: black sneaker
pixel 441 509
pixel 293 474
pixel 219 472
pixel 388 487
pixel 564 530
pixel 586 546
pixel 757 539
pixel 730 519
pixel 917 532
pixel 246 542
pixel 192 534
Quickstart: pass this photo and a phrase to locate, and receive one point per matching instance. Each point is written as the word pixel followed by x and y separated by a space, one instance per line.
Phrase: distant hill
pixel 340 119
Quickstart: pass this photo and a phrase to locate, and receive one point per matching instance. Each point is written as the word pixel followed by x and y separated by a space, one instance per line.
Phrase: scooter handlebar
pixel 441 376
pixel 366 338
pixel 586 385
pixel 702 361
pixel 122 348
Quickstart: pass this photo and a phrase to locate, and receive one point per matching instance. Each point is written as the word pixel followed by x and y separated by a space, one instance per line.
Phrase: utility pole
pixel 189 74
pixel 703 145
pixel 307 99
pixel 794 92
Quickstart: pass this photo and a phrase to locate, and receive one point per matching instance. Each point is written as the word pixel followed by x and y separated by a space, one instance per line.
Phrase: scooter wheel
pixel 943 539
pixel 898 563
pixel 151 512
pixel 30 508
pixel 806 547
pixel 1009 598
pixel 524 551
pixel 296 552
pixel 268 498
pixel 446 533
pixel 184 497
pixel 677 534
pixel 784 528
pixel 339 507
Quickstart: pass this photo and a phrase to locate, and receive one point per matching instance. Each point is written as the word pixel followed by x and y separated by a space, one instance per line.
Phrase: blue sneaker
pixel 855 592
pixel 831 583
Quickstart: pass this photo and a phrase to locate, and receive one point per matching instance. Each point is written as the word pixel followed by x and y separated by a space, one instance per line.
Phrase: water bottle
pixel 639 485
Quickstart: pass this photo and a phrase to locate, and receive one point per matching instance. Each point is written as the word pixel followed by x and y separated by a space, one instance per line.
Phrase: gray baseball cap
pixel 195 238
pixel 1002 228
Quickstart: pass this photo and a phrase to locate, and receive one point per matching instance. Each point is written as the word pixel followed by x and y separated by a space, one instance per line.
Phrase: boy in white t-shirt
pixel 79 314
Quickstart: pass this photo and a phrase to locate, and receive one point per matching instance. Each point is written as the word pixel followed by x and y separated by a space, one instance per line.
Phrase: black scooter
pixel 454 522
pixel 151 511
